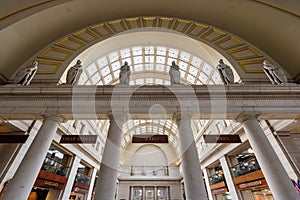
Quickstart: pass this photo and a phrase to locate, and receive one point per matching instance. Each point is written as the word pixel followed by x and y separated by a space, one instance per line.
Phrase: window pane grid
pixel 143 59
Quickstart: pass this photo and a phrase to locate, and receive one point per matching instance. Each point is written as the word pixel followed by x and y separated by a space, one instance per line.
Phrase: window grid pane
pixel 147 59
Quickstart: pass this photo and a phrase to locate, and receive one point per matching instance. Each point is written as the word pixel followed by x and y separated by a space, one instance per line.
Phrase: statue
pixel 174 73
pixel 74 73
pixel 226 73
pixel 125 73
pixel 26 74
pixel 275 74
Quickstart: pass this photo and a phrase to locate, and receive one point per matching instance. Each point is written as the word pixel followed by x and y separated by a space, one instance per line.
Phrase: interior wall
pixel 7 152
pixel 149 155
pixel 292 146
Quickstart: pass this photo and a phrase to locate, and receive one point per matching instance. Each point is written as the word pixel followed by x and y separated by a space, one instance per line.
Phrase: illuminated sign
pixel 251 184
pixel 51 183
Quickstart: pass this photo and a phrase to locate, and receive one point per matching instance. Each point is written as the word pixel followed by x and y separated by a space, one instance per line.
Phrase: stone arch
pixel 244 57
pixel 155 156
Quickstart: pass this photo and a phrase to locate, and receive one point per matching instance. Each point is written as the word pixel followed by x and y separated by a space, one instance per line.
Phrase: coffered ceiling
pixel 28 26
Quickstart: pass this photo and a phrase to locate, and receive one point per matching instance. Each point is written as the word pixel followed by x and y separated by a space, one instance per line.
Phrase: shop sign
pixel 51 183
pixel 251 184
pixel 222 138
pixel 149 139
pixel 13 138
pixel 80 190
pixel 219 191
pixel 87 139
pixel 48 184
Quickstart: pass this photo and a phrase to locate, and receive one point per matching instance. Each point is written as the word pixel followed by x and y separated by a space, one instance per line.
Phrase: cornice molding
pixel 200 101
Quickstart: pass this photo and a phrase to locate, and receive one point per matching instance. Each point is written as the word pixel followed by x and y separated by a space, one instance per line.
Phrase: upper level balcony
pixel 149 173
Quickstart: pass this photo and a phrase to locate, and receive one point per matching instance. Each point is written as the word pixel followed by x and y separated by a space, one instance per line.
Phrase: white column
pixel 192 174
pixel 71 179
pixel 275 174
pixel 92 182
pixel 228 177
pixel 106 183
pixel 24 178
pixel 131 193
pixel 168 192
pixel 206 178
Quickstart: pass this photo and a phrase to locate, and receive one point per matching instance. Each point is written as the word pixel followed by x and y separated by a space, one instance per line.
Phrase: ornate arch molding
pixel 244 57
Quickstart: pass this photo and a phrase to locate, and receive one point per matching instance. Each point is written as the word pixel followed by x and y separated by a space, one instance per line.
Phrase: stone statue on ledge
pixel 26 74
pixel 226 73
pixel 74 73
pixel 125 72
pixel 174 73
pixel 275 74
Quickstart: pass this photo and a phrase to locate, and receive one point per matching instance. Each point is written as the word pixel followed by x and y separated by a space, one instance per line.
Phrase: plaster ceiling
pixel 30 25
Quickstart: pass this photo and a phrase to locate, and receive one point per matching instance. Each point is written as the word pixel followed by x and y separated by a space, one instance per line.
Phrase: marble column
pixel 25 176
pixel 192 174
pixel 71 179
pixel 144 193
pixel 106 183
pixel 92 183
pixel 275 174
pixel 229 180
pixel 206 178
pixel 168 192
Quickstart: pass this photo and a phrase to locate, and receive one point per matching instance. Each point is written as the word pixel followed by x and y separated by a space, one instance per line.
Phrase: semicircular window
pixel 149 66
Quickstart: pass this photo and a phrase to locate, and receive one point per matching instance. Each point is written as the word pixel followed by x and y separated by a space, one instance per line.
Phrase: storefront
pixel 249 178
pixel 82 182
pixel 52 177
pixel 258 190
pixel 217 182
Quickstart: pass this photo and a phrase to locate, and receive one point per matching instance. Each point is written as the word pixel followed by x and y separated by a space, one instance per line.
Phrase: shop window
pixel 83 174
pixel 161 193
pixel 149 192
pixel 137 193
pixel 246 165
pixel 57 162
pixel 217 176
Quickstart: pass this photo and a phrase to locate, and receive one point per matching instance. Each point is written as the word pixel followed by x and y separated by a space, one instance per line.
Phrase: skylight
pixel 149 59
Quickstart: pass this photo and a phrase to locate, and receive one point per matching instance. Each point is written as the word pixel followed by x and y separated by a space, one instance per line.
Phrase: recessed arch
pixel 149 58
pixel 149 155
pixel 151 127
pixel 244 57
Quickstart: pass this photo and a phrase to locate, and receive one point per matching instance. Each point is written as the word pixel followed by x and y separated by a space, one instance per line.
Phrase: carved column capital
pixel 119 116
pixel 177 117
pixel 56 117
pixel 245 116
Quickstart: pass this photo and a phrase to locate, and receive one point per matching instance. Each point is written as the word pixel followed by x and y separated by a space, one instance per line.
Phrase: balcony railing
pixel 245 167
pixel 149 171
pixel 52 166
pixel 83 178
pixel 216 178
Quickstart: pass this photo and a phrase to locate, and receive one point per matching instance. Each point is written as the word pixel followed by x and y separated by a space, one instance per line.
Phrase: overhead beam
pixel 141 102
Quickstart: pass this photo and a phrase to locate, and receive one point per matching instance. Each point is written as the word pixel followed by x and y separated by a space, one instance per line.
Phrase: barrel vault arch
pixel 244 57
